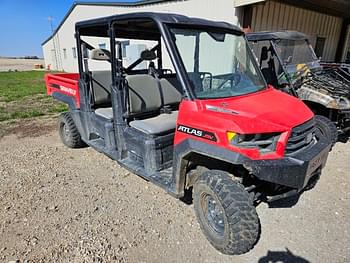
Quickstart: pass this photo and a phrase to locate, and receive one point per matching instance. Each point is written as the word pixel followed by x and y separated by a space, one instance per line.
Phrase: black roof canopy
pixel 276 35
pixel 143 25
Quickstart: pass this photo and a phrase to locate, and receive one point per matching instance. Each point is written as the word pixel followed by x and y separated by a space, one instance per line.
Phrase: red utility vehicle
pixel 192 113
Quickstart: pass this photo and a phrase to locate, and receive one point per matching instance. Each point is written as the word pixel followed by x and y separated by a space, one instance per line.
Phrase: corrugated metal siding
pixel 278 16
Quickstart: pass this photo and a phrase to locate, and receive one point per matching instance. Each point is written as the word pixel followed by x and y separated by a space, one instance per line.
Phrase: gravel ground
pixel 63 205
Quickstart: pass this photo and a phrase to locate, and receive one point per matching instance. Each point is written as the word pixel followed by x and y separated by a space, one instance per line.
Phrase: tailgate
pixel 64 87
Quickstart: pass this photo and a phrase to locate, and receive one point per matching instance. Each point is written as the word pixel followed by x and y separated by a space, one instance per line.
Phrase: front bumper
pixel 294 170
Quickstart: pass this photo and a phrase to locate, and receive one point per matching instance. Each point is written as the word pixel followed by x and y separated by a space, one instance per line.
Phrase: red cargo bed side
pixel 66 84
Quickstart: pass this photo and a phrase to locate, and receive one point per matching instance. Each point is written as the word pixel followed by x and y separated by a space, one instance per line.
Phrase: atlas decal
pixel 197 132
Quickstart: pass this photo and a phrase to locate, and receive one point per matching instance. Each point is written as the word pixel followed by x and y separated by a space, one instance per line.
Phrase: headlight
pixel 264 142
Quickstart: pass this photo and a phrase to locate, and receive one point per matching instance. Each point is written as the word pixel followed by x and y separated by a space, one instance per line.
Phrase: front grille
pixel 302 137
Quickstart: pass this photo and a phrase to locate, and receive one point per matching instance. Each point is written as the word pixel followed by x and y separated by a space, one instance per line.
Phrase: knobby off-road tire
pixel 69 133
pixel 327 128
pixel 226 213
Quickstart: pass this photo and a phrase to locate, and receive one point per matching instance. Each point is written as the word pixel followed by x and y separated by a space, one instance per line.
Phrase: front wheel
pixel 226 213
pixel 327 128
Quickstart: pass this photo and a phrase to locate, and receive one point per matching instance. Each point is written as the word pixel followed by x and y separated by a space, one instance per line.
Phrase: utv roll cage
pixel 271 37
pixel 145 26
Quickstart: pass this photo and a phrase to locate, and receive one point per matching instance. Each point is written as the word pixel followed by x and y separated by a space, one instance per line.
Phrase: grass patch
pixel 58 108
pixel 17 85
pixel 23 95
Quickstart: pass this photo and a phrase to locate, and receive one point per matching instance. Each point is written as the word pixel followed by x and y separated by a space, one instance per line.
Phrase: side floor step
pixel 98 144
pixel 163 178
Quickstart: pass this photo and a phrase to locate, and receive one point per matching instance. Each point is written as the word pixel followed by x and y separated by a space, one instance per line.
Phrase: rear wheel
pixel 327 128
pixel 69 133
pixel 225 213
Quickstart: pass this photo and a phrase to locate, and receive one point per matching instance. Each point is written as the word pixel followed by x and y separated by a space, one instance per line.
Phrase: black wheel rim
pixel 213 213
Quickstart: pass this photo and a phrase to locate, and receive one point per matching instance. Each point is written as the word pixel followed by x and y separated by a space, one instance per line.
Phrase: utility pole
pixel 50 19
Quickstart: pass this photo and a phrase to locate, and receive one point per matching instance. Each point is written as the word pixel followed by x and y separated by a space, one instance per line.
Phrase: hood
pixel 268 111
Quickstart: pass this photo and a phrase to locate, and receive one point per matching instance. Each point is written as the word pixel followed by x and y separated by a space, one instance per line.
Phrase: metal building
pixel 325 21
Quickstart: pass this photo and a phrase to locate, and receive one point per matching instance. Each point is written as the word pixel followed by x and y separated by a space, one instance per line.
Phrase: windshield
pixel 296 55
pixel 218 64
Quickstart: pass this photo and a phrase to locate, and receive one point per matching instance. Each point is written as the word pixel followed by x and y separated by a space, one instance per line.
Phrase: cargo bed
pixel 64 87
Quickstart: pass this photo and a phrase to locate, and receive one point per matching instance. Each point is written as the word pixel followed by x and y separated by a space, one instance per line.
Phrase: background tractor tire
pixel 312 182
pixel 327 128
pixel 226 213
pixel 69 133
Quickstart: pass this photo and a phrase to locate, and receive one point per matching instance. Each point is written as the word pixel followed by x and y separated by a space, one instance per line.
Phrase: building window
pixel 102 46
pixel 74 51
pixel 65 53
pixel 319 47
pixel 124 44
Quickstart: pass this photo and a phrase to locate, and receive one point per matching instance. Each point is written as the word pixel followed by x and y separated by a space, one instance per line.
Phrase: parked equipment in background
pixel 289 63
pixel 206 121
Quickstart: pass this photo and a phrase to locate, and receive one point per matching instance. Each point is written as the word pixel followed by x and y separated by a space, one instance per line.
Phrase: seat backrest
pixel 101 85
pixel 144 94
pixel 171 94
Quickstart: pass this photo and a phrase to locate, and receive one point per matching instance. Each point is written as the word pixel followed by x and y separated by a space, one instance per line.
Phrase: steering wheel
pixel 235 76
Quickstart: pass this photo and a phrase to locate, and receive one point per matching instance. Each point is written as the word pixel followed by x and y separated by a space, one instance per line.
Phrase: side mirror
pixel 100 54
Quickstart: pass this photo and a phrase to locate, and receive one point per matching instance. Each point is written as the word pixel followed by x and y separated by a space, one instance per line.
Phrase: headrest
pixel 100 54
pixel 148 55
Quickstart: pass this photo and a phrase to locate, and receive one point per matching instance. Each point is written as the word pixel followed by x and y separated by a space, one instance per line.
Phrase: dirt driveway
pixel 62 205
pixel 7 64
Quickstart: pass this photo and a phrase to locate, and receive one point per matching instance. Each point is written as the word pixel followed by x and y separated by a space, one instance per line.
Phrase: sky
pixel 24 24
